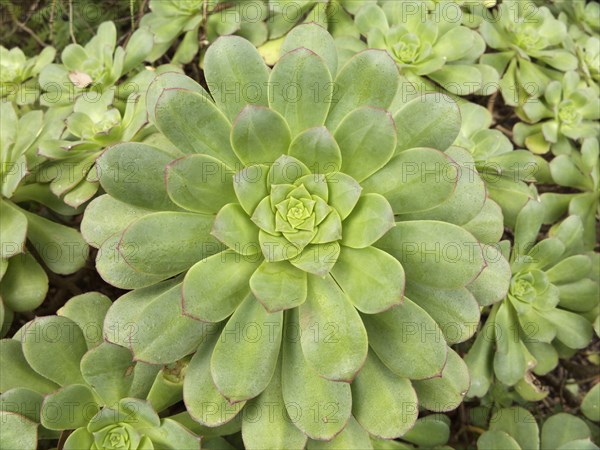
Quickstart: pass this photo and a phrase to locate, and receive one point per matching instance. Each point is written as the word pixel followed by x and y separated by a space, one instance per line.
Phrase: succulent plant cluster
pixel 312 231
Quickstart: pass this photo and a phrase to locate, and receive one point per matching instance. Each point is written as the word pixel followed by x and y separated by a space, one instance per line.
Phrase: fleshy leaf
pixel 300 89
pixel 369 79
pixel 233 227
pixel 435 254
pixel 344 193
pixel 317 148
pixel 88 312
pixel 303 389
pixel 167 242
pixel 446 392
pixel 236 75
pixel 106 369
pixel 134 173
pixel 215 286
pixel 194 125
pixel 317 259
pixel 279 285
pixel 428 121
pixel 372 279
pixel 415 180
pixel 200 183
pixel 15 371
pixel 17 432
pixel 315 38
pixel 382 402
pixel 367 140
pixel 334 339
pixel 245 357
pixel 53 347
pixel 202 399
pixel 162 333
pixel 370 219
pixel 77 399
pixel 260 135
pixel 407 340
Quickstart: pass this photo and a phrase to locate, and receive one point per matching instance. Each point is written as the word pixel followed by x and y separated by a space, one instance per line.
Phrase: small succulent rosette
pixel 516 428
pixel 529 40
pixel 543 316
pixel 581 14
pixel 97 121
pixel 507 172
pixel 579 171
pixel 318 236
pixel 23 281
pixel 95 67
pixel 568 113
pixel 18 74
pixel 425 45
pixel 61 379
pixel 201 23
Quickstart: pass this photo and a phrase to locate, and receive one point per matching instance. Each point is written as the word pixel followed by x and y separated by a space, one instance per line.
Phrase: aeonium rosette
pixel 320 238
pixel 59 378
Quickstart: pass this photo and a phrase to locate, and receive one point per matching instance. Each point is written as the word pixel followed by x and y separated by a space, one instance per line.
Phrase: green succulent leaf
pixel 88 312
pixel 24 284
pixel 14 229
pixel 409 174
pixel 334 340
pixel 133 173
pixel 517 423
pixel 434 253
pixel 236 75
pixel 271 431
pixel 62 248
pixel 318 259
pixel 300 89
pixel 16 372
pixel 260 135
pixel 371 218
pixel 214 287
pixel 279 285
pixel 344 193
pixel 148 244
pixel 368 79
pixel 315 38
pixel 200 183
pixel 429 121
pixel 242 364
pixel 17 431
pixel 399 339
pixel 383 403
pixel 53 347
pixel 202 398
pixel 352 437
pixel 208 134
pixel 361 273
pixel 68 408
pixel 162 333
pixel 317 148
pixel 105 216
pixel 367 140
pixel 233 227
pixel 304 389
pixel 446 392
pixel 107 369
pixel 455 310
pixel 250 185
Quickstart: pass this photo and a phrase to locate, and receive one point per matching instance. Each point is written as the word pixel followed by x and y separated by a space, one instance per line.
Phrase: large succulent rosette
pixel 331 250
